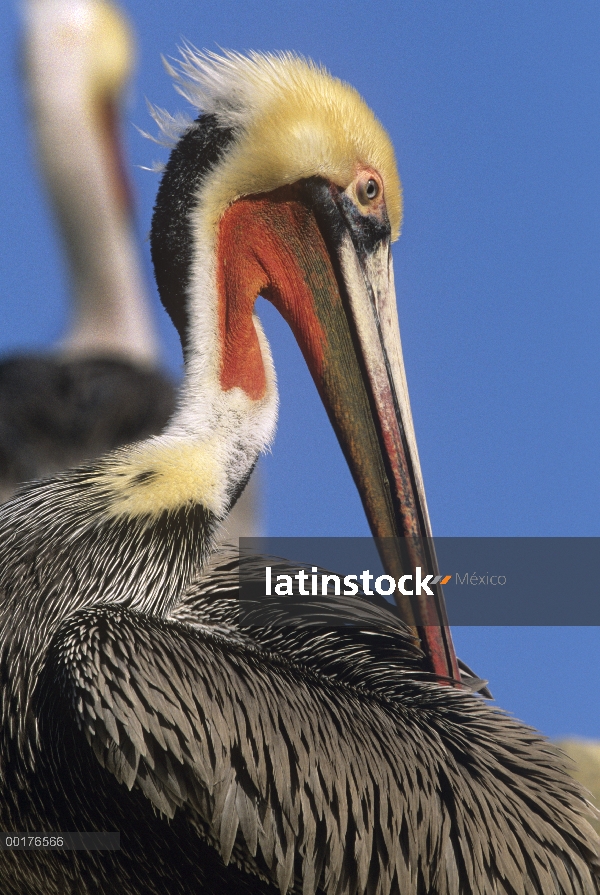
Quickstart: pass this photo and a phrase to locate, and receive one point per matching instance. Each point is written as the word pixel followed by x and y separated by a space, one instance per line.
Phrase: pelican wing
pixel 275 765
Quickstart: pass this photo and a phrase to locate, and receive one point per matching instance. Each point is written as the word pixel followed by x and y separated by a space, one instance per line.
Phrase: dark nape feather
pixel 171 238
pixel 57 412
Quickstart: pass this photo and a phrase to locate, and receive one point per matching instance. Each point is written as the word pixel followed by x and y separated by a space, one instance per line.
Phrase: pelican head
pixel 286 186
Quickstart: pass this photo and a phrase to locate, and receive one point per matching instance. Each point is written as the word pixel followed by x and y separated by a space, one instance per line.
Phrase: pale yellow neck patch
pixel 149 479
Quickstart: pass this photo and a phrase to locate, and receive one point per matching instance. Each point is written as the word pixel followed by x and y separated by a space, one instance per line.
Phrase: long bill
pixel 327 268
pixel 362 383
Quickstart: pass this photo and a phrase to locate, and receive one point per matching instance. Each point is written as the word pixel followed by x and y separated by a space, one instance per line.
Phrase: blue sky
pixel 493 109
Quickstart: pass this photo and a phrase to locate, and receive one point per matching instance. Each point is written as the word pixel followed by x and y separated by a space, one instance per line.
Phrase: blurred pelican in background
pixel 101 385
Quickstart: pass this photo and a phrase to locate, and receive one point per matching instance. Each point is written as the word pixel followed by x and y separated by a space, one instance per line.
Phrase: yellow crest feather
pixel 292 120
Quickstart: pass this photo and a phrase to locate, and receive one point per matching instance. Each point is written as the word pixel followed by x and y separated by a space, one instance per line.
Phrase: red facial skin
pixel 257 254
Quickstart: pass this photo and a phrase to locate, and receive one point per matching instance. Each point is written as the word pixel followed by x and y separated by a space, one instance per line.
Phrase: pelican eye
pixel 368 190
pixel 371 189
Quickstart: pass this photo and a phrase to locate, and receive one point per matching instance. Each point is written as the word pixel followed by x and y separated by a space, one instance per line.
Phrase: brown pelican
pixel 262 757
pixel 101 386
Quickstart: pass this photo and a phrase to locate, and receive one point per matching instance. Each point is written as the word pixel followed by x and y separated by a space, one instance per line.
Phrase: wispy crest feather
pixel 171 127
pixel 235 87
